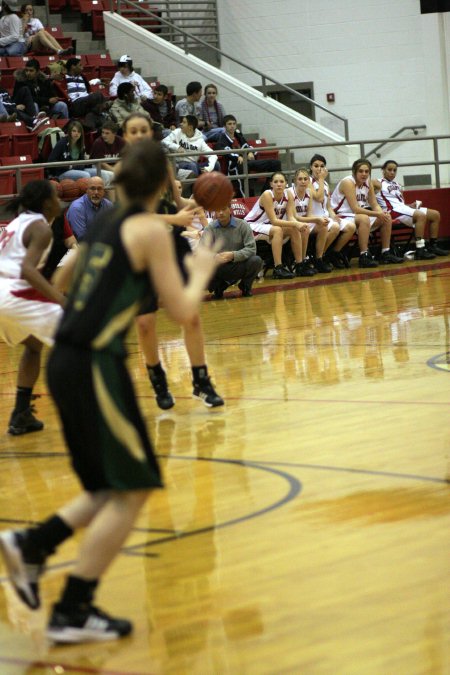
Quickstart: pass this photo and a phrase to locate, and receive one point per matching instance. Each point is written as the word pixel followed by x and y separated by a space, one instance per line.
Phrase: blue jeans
pixel 14 49
pixel 61 108
pixel 213 134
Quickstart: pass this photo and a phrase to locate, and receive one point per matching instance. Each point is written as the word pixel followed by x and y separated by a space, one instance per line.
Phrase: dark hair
pixel 22 7
pixel 359 162
pixel 193 87
pixel 275 173
pixel 135 115
pixel 72 62
pixel 317 158
pixel 162 88
pixel 33 63
pixel 389 161
pixel 112 126
pixel 32 197
pixel 128 64
pixel 210 86
pixel 75 124
pixel 124 88
pixel 227 118
pixel 191 120
pixel 143 170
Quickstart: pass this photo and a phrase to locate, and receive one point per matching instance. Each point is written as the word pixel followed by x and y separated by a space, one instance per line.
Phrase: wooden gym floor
pixel 304 528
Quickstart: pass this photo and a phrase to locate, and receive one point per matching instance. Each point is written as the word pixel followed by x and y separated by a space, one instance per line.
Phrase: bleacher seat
pixel 7 183
pixel 99 60
pixel 18 61
pixel 56 5
pixel 5 143
pixel 8 80
pixel 259 143
pixel 27 174
pixel 24 144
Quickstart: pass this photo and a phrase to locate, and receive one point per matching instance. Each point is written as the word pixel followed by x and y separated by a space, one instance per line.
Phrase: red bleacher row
pixel 94 66
pixel 92 12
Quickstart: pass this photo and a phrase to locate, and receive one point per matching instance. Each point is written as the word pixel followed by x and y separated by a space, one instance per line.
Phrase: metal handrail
pixel 245 176
pixel 264 78
pixel 415 129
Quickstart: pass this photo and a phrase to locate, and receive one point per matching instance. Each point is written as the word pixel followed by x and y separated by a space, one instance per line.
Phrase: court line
pixel 367 472
pixel 295 488
pixel 68 668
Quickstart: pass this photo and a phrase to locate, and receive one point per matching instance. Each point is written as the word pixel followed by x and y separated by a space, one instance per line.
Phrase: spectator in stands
pixel 272 219
pixel 108 145
pixel 71 147
pixel 237 254
pixel 354 199
pixel 161 109
pixel 37 38
pixel 231 139
pixel 126 103
pixel 83 211
pixel 191 104
pixel 303 209
pixel 79 91
pixel 187 139
pixel 12 41
pixel 321 206
pixel 213 114
pixel 389 195
pixel 43 92
pixel 126 73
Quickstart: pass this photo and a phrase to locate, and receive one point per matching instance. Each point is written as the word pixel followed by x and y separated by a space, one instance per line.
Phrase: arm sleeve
pixel 76 220
pixel 144 88
pixel 113 86
pixel 12 31
pixel 212 159
pixel 249 243
pixel 171 141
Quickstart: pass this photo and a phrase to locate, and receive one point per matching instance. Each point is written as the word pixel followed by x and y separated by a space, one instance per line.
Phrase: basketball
pixel 82 184
pixel 59 190
pixel 213 191
pixel 70 189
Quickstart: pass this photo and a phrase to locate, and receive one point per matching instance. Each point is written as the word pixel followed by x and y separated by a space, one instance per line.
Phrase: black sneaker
pixel 389 258
pixel 204 391
pixel 436 250
pixel 423 254
pixel 89 625
pixel 23 574
pixel 322 266
pixel 336 258
pixel 366 260
pixel 24 422
pixel 164 398
pixel 280 272
pixel 246 289
pixel 219 289
pixel 303 270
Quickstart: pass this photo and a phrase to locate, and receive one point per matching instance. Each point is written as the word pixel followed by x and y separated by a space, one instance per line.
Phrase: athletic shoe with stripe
pixel 23 574
pixel 204 391
pixel 85 625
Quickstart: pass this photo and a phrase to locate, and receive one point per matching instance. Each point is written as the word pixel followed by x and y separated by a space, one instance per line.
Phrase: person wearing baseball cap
pixel 12 41
pixel 126 73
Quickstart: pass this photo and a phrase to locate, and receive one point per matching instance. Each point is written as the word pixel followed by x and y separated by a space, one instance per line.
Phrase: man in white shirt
pixel 126 73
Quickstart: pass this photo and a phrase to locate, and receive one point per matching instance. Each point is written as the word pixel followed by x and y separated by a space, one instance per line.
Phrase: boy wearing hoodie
pixel 189 139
